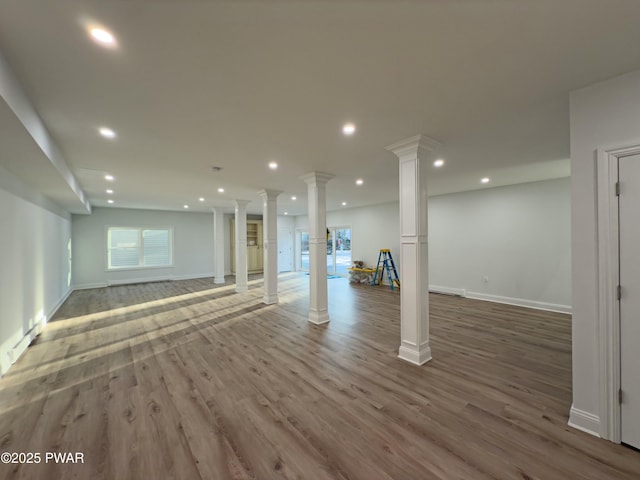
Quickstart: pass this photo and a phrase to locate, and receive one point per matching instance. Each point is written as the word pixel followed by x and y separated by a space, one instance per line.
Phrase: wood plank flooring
pixel 188 380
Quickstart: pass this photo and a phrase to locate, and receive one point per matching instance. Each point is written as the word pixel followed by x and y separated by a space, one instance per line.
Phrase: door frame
pixel 608 279
pixel 297 249
pixel 333 244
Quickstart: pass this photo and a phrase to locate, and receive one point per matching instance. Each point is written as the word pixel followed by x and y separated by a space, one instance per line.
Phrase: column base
pixel 218 280
pixel 241 288
pixel 417 357
pixel 270 299
pixel 318 318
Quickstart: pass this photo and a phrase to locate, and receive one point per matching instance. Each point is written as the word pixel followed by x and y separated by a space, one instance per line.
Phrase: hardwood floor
pixel 189 380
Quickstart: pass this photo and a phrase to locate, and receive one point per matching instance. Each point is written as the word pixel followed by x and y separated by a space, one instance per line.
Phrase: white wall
pixel 34 254
pixel 193 245
pixel 603 115
pixel 518 236
pixel 508 244
pixel 372 228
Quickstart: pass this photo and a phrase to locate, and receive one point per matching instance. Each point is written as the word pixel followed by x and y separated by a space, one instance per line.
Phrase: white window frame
pixel 140 229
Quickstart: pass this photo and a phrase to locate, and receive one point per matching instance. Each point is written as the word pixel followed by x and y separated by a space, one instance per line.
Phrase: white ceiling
pixel 193 84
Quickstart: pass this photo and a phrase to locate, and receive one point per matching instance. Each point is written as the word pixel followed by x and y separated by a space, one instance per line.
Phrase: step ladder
pixel 385 263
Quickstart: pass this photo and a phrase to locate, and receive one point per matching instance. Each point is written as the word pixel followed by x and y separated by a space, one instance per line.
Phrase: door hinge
pixel 619 395
pixel 617 189
pixel 619 292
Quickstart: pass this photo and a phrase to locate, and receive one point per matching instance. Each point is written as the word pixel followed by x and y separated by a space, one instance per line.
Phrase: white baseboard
pixel 57 306
pixel 584 421
pixel 11 354
pixel 520 302
pixel 131 281
pixel 194 276
pixel 88 286
pixel 461 292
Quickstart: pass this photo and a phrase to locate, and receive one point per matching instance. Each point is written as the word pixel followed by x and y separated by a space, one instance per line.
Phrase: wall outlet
pixel 485 279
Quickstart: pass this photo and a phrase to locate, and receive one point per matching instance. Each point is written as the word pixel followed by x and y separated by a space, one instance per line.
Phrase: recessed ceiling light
pixel 201 199
pixel 102 36
pixel 344 204
pixel 359 181
pixel 273 165
pixel 221 190
pixel 107 132
pixel 438 163
pixel 485 180
pixel 109 201
pixel 186 206
pixel 294 198
pixel 348 129
pixel 109 178
pixel 286 213
pixel 109 191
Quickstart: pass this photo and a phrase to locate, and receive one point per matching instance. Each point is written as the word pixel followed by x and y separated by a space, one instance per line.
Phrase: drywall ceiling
pixel 237 84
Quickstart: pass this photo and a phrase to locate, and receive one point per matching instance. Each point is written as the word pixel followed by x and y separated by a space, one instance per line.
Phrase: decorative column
pixel 317 211
pixel 218 244
pixel 270 237
pixel 242 277
pixel 414 154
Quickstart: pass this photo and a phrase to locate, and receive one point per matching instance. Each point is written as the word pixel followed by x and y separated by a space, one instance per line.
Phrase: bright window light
pixel 138 248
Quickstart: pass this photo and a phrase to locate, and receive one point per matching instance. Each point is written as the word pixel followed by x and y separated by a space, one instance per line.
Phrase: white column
pixel 242 277
pixel 270 238
pixel 218 244
pixel 414 154
pixel 317 211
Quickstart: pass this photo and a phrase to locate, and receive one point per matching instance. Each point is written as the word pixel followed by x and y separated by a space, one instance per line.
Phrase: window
pixel 138 247
pixel 338 250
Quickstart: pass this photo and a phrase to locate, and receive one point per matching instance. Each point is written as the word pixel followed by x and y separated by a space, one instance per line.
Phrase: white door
pixel 285 251
pixel 629 221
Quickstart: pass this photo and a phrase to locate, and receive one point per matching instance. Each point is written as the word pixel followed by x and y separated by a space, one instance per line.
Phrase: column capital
pixel 317 178
pixel 241 203
pixel 414 146
pixel 267 193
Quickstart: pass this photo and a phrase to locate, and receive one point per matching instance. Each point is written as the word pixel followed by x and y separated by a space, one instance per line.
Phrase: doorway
pixel 618 188
pixel 302 251
pixel 285 250
pixel 339 251
pixel 629 238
